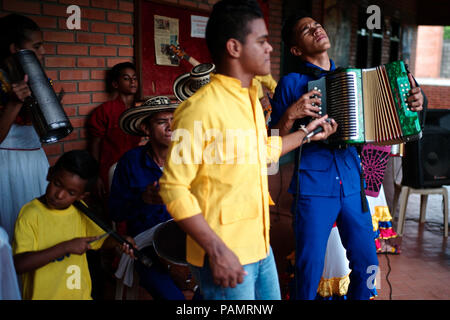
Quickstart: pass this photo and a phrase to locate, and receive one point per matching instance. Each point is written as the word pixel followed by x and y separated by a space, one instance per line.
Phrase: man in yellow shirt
pixel 215 181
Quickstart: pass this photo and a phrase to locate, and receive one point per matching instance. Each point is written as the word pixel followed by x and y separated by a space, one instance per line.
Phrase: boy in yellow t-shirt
pixel 51 236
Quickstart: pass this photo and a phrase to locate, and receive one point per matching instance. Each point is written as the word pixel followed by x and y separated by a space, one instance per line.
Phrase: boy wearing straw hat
pixel 216 190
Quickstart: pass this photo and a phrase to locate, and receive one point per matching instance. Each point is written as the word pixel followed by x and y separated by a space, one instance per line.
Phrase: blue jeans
pixel 261 282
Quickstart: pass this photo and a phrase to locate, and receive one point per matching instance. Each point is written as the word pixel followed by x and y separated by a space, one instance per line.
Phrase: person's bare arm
pixel 94 147
pixel 32 260
pixel 226 269
pixel 295 139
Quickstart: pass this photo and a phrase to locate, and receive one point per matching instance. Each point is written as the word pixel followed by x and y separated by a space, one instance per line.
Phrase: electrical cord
pixel 386 254
pixel 297 191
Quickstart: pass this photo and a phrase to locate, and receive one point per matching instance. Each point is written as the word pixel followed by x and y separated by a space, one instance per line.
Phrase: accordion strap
pixel 310 71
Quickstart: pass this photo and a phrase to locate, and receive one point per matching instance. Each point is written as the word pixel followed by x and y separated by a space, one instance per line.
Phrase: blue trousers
pixel 261 282
pixel 312 225
pixel 157 280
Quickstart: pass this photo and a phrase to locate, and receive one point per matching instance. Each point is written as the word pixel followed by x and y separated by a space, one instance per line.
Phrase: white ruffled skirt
pixel 22 178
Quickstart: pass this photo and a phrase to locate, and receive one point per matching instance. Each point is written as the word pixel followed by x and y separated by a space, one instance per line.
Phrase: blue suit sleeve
pixel 124 203
pixel 288 90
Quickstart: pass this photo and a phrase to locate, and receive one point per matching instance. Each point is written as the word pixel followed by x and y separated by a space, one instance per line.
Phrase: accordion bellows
pixel 369 105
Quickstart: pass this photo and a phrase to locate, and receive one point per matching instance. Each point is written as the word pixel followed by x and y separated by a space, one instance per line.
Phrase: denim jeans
pixel 261 282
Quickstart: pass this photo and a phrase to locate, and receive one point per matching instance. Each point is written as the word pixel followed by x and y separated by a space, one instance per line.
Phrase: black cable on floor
pixel 387 275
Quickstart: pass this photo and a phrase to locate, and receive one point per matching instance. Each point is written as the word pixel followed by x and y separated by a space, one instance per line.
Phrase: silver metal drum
pixel 48 116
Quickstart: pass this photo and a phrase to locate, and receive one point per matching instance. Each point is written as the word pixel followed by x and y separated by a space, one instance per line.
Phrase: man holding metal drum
pixel 134 198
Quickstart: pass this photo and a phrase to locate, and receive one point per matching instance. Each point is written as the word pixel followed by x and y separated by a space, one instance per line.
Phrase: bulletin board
pixel 158 79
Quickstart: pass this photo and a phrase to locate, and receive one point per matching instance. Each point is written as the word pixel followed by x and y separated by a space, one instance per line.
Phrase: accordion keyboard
pixel 342 104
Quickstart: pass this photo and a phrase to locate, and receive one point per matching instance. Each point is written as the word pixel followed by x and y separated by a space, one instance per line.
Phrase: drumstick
pixel 146 261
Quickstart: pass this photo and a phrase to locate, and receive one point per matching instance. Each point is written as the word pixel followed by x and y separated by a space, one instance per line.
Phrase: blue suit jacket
pixel 322 171
pixel 134 172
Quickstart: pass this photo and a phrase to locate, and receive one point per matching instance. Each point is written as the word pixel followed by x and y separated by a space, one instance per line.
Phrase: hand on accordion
pixel 329 127
pixel 415 99
pixel 308 105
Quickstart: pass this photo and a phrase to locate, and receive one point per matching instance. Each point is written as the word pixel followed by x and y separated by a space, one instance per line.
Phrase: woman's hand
pixel 21 89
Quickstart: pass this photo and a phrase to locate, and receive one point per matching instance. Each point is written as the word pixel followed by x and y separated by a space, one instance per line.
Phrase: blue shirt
pixel 323 171
pixel 134 172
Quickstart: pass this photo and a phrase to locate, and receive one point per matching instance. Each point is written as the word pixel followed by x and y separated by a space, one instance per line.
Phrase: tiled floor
pixel 422 270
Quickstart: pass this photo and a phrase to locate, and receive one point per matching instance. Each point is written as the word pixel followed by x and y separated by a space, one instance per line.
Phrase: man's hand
pixel 125 248
pixel 226 269
pixel 306 106
pixel 151 194
pixel 328 128
pixel 415 99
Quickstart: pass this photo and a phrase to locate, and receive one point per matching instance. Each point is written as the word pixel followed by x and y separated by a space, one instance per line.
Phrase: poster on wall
pixel 166 33
pixel 198 26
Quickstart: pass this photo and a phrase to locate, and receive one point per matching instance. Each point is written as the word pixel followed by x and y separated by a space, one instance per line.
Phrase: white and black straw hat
pixel 187 84
pixel 131 119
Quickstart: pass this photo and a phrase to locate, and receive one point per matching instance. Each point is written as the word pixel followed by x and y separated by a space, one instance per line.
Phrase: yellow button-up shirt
pixel 217 166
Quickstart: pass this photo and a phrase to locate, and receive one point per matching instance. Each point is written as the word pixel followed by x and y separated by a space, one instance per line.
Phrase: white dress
pixel 23 172
pixel 9 285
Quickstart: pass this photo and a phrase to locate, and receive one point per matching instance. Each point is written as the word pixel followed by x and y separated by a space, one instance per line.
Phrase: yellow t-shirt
pixel 38 228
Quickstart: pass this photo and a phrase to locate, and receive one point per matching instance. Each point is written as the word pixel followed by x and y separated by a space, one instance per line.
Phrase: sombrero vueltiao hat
pixel 188 83
pixel 130 120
